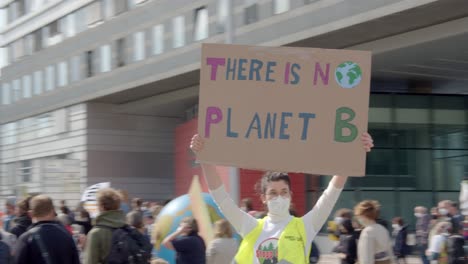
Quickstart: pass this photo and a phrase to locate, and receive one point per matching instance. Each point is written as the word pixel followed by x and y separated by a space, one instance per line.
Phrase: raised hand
pixel 367 142
pixel 197 144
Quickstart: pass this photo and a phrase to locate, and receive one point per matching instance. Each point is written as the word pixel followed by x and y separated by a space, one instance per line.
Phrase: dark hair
pixel 398 220
pixel 271 176
pixel 137 202
pixel 23 205
pixel 135 219
pixel 247 202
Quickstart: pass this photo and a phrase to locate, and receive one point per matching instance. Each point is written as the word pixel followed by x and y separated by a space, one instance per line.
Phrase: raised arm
pixel 241 221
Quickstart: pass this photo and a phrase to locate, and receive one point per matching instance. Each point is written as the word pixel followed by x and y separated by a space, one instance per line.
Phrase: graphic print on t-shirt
pixel 267 251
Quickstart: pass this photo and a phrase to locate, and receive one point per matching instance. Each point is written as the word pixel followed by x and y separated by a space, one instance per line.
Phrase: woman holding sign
pixel 279 237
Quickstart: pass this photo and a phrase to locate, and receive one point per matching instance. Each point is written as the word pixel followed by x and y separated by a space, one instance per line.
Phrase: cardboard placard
pixel 284 109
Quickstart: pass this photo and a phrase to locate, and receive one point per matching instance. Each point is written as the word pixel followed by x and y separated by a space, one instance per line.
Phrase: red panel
pixel 185 166
pixel 248 179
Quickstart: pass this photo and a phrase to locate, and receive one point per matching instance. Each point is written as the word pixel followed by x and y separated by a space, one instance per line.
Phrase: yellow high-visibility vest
pixel 291 243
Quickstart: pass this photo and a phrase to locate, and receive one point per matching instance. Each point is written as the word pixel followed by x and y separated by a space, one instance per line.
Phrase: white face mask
pixel 279 206
pixel 418 215
pixel 443 211
pixel 396 226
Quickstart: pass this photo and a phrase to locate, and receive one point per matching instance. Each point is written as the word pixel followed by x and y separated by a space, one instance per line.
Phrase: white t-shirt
pixel 267 243
pixel 436 243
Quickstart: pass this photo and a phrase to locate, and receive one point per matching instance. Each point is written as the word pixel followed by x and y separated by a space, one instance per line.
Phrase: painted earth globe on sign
pixel 170 217
pixel 348 74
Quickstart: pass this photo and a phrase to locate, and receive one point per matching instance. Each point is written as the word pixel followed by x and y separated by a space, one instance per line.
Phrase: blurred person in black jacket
pixel 347 248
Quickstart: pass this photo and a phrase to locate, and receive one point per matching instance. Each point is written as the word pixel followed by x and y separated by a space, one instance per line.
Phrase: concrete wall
pixel 134 153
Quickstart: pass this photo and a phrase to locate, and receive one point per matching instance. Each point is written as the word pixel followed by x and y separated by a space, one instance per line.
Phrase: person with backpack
pixel 7 244
pixel 111 240
pixel 455 250
pixel 47 241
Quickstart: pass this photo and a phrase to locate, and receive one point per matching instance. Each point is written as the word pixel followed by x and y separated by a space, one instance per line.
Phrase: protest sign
pixel 284 109
pixel 89 198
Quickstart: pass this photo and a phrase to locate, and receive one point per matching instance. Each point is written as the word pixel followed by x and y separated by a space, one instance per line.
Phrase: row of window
pixel 119 53
pixel 65 27
pixel 19 8
pixel 99 11
pixel 30 128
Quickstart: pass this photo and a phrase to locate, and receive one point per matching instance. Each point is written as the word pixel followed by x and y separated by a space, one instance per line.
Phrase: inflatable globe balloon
pixel 172 214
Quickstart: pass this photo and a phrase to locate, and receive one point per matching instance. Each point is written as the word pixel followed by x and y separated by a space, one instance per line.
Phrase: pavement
pixel 331 259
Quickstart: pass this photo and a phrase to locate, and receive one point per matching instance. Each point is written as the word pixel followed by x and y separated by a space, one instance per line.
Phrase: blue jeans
pixel 422 252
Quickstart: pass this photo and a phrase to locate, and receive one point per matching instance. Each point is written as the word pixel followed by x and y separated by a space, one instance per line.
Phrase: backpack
pixel 5 253
pixel 128 246
pixel 455 248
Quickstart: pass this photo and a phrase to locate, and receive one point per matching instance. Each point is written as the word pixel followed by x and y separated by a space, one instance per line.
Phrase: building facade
pixel 93 91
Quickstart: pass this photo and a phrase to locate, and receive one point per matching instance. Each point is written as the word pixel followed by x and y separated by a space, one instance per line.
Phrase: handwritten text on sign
pixel 257 103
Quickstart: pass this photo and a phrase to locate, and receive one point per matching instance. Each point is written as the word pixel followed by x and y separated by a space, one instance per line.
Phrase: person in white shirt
pixel 374 245
pixel 436 246
pixel 263 238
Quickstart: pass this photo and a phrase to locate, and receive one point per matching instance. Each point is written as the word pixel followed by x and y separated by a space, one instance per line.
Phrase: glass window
pixel 121 48
pixel 251 12
pixel 3 17
pixel 44 125
pixel 131 4
pixel 18 49
pixel 37 4
pixel 37 35
pixel 120 6
pixel 25 170
pixel 222 14
pixel 89 63
pixel 69 25
pixel 106 58
pixel 178 38
pixel 158 39
pixel 62 73
pixel 75 65
pixel 94 13
pixel 54 33
pixel 139 46
pixel 38 82
pixel 27 86
pixel 50 78
pixel 81 23
pixel 280 6
pixel 6 94
pixel 9 133
pixel 20 8
pixel 3 58
pixel 201 24
pixel 12 13
pixel 108 8
pixel 29 44
pixel 16 90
